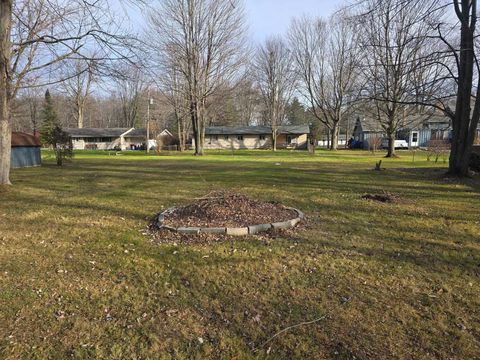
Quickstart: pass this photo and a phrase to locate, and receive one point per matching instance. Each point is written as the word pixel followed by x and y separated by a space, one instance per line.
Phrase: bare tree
pixel 206 41
pixel 79 77
pixel 276 80
pixel 175 90
pixel 327 63
pixel 5 89
pixel 25 110
pixel 459 79
pixel 246 101
pixel 393 36
pixel 465 121
pixel 35 37
pixel 131 84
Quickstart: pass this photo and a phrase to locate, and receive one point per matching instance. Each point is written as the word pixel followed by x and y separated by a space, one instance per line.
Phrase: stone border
pixel 242 231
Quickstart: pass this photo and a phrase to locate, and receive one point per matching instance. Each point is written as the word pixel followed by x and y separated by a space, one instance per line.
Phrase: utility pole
pixel 150 102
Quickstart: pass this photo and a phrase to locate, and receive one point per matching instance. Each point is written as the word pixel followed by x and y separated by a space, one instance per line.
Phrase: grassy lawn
pixel 80 279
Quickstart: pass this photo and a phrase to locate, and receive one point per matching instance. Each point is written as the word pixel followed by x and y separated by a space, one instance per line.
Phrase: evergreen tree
pixel 52 133
pixel 296 113
pixel 49 120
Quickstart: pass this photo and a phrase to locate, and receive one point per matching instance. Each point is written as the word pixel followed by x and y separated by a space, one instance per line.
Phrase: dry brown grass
pixel 79 279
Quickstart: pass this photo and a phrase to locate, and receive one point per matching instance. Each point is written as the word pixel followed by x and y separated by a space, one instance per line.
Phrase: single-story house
pixel 25 150
pixel 113 138
pixel 256 137
pixel 417 133
pixel 99 138
pixel 106 138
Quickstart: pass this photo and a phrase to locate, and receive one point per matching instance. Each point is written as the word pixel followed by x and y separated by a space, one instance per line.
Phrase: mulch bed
pixel 224 209
pixel 227 209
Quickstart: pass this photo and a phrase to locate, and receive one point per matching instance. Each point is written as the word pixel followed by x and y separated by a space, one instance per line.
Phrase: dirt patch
pixel 385 197
pixel 227 209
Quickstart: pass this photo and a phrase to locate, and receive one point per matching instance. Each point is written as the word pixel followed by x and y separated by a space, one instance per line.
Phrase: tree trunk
pixel 58 156
pixel 464 124
pixel 274 139
pixel 180 133
pixel 197 128
pixel 5 128
pixel 334 137
pixel 80 117
pixel 391 144
pixel 198 138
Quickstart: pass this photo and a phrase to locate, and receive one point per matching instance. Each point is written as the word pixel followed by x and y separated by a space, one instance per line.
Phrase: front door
pixel 414 139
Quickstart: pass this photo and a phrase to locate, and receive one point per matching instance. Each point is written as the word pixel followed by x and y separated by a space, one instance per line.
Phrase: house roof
pixel 21 139
pixel 256 130
pixel 143 133
pixel 96 132
pixel 415 122
pixel 369 125
pixel 137 133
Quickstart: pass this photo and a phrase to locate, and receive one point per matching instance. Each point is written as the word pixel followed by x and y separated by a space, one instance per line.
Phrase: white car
pixel 399 144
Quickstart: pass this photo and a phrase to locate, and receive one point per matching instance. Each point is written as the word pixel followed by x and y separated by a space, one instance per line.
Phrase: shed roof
pixel 96 132
pixel 256 130
pixel 21 139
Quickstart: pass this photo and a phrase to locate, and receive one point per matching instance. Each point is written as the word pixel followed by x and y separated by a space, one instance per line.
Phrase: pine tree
pixel 296 113
pixel 52 133
pixel 49 120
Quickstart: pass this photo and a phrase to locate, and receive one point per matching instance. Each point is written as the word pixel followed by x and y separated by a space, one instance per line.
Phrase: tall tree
pixel 465 121
pixel 174 89
pixel 327 62
pixel 296 113
pixel 5 88
pixel 79 77
pixel 276 80
pixel 49 119
pixel 52 133
pixel 131 85
pixel 393 36
pixel 42 35
pixel 247 100
pixel 206 39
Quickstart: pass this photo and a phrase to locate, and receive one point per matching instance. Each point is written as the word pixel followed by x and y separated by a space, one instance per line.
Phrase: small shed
pixel 25 150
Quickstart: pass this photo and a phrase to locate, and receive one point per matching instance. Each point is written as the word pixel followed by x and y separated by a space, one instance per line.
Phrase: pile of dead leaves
pixel 227 209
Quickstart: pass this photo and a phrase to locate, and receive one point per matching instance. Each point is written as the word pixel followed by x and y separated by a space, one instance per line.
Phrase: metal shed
pixel 25 150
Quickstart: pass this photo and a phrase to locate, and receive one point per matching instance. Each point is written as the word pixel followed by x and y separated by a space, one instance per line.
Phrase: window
pixel 99 139
pixel 415 137
pixel 225 137
pixel 289 139
pixel 262 137
pixel 240 137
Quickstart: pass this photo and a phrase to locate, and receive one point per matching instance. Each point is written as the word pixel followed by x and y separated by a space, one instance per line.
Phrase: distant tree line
pixel 388 59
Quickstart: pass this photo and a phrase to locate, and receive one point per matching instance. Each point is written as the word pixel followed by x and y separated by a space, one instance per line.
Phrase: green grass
pixel 79 279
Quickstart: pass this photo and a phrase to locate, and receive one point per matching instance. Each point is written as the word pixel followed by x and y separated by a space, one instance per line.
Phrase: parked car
pixel 399 144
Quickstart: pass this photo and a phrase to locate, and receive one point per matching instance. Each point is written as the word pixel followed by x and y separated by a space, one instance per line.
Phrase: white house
pixel 107 139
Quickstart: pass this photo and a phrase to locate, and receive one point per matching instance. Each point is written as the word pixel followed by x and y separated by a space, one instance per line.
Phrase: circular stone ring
pixel 232 231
